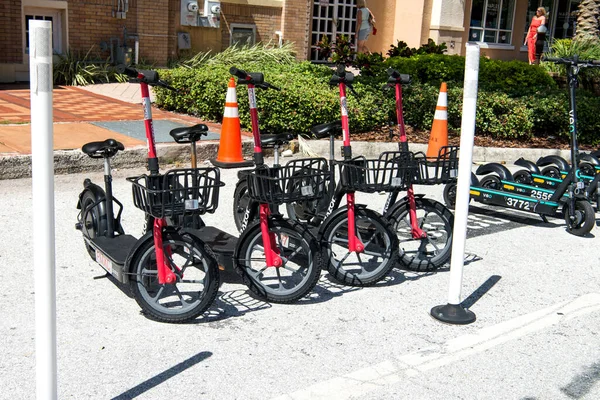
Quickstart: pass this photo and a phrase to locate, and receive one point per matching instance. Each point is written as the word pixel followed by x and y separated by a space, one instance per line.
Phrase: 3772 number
pixel 520 204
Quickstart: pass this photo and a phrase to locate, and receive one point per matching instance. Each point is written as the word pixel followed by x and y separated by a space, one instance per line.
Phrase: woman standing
pixel 538 20
pixel 364 25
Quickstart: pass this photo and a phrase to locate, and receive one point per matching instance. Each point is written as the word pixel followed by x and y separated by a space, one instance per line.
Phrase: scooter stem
pixel 152 159
pixel 272 257
pixel 165 275
pixel 416 231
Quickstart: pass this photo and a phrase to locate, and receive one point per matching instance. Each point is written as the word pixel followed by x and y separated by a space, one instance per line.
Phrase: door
pixel 331 18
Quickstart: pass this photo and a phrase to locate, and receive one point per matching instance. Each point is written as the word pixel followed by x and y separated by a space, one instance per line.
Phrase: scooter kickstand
pixel 544 218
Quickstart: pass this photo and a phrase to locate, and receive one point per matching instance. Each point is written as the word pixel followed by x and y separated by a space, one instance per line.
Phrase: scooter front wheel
pixel 365 268
pixel 197 279
pixel 523 176
pixel 583 220
pixel 300 270
pixel 428 253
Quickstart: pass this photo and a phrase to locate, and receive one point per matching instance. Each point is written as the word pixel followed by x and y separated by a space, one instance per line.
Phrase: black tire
pixel 176 302
pixel 381 246
pixel 552 172
pixel 450 195
pixel 523 176
pixel 584 218
pixel 241 200
pixel 587 169
pixel 491 182
pixel 431 252
pixel 305 210
pixel 301 267
pixel 93 220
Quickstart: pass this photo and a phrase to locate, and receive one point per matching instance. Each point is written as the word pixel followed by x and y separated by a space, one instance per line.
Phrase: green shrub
pixel 306 99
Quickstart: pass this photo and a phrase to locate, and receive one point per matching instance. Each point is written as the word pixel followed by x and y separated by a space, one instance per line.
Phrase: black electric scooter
pixel 172 274
pixel 502 190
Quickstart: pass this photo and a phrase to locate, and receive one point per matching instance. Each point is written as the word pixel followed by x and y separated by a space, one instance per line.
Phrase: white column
pixel 465 162
pixel 40 66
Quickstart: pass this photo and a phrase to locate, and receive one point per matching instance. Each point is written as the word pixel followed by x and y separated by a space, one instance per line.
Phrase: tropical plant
pixel 588 23
pixel 75 69
pixel 340 52
pixel 258 53
pixel 402 49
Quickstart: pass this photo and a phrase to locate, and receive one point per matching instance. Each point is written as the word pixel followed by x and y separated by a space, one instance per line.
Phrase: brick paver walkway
pixel 72 104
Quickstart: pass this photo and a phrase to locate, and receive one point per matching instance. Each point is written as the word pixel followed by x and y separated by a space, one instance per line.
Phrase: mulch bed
pixel 415 136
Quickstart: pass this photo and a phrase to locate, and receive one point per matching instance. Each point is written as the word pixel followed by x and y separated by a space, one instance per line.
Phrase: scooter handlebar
pixel 572 61
pixel 397 77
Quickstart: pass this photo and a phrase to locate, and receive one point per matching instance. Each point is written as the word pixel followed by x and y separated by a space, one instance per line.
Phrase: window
pixel 45 15
pixel 492 21
pixel 242 35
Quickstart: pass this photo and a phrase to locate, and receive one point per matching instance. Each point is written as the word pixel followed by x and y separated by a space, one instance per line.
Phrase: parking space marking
pixel 388 372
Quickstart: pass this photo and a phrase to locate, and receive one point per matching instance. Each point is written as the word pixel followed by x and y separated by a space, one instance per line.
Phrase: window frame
pixel 242 26
pixel 497 31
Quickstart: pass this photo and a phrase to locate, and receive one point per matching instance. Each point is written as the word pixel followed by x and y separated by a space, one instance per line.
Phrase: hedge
pixel 306 99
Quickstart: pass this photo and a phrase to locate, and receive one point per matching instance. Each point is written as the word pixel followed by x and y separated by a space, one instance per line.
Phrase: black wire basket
pixel 440 170
pixel 179 192
pixel 302 179
pixel 392 171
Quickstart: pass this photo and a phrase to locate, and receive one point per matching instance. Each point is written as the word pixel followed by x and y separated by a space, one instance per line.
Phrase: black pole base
pixel 453 314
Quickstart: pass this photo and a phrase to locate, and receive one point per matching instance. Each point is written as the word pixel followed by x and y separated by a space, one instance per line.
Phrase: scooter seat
pixel 107 148
pixel 329 129
pixel 189 134
pixel 279 139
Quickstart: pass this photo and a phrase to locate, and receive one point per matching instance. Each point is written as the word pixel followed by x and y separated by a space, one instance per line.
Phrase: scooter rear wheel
pixel 93 221
pixel 360 269
pixel 301 267
pixel 197 279
pixel 431 252
pixel 584 218
pixel 241 202
pixel 491 182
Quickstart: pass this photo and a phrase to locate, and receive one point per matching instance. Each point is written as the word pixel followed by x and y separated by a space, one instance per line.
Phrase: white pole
pixel 453 312
pixel 42 164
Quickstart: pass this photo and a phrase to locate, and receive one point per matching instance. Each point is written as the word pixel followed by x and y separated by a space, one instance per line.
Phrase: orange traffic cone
pixel 230 145
pixel 439 129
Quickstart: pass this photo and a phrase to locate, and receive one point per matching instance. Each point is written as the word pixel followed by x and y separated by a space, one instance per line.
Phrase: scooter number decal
pixel 540 195
pixel 284 240
pixel 191 204
pixel 306 191
pixel 104 261
pixel 520 204
pixel 396 182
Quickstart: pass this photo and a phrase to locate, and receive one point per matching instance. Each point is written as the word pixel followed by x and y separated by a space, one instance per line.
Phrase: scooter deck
pixel 111 253
pixel 221 242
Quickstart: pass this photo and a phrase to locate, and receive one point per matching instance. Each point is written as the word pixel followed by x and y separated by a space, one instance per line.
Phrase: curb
pixel 15 166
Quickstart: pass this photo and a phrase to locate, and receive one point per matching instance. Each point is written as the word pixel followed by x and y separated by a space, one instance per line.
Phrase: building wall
pixel 295 25
pixel 266 19
pixel 11 32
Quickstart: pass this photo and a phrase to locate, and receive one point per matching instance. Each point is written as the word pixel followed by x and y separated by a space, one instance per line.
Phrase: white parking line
pixel 388 372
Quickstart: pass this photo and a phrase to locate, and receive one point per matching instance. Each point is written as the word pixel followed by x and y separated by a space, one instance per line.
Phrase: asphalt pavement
pixel 533 287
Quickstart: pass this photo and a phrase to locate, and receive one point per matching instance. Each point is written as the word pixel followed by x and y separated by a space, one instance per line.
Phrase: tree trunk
pixel 588 20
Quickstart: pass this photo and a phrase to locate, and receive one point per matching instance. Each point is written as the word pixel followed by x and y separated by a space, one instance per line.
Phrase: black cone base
pixel 235 164
pixel 453 314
